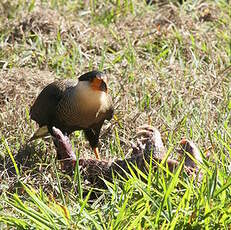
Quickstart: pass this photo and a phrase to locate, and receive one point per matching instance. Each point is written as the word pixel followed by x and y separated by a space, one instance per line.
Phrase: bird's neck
pixel 88 99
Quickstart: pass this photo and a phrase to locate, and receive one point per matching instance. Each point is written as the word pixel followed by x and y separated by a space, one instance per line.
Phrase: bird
pixel 74 104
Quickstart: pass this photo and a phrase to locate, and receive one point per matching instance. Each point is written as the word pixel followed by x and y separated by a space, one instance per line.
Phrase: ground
pixel 168 65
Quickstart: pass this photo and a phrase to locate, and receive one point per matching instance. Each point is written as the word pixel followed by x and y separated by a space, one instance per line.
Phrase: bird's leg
pixel 96 152
pixel 93 137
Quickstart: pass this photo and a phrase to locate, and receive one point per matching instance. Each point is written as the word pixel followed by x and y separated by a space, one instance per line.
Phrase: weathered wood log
pixel 149 146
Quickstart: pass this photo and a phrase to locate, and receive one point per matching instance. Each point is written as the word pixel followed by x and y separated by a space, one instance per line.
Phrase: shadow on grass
pixel 31 161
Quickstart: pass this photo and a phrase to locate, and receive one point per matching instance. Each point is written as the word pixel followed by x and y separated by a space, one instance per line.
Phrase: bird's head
pixel 96 79
pixel 91 93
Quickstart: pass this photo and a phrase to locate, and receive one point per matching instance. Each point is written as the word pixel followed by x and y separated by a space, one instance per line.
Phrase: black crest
pixel 89 76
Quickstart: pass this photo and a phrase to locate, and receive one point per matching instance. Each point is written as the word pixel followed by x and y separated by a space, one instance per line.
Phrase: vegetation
pixel 169 64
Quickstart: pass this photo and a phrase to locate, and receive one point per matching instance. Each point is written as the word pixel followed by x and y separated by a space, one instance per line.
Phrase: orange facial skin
pixel 99 84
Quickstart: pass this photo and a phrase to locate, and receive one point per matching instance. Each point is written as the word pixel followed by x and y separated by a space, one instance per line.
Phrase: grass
pixel 168 64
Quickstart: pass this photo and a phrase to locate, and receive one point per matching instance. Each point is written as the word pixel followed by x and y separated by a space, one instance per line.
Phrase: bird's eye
pixel 103 86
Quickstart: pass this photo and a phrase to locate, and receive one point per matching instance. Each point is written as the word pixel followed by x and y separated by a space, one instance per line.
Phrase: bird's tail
pixel 41 132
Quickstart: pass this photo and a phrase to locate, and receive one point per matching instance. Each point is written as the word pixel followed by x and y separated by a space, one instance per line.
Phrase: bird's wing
pixel 44 108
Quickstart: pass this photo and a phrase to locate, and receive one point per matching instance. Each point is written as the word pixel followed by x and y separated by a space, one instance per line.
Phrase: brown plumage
pixel 70 105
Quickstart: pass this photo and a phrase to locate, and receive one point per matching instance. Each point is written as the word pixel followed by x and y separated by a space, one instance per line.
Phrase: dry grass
pixel 168 64
pixel 165 65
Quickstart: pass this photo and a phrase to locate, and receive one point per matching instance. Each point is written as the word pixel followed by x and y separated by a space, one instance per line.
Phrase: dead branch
pixel 149 147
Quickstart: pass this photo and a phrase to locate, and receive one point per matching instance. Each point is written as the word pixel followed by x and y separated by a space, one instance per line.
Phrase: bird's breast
pixel 84 107
pixel 91 110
